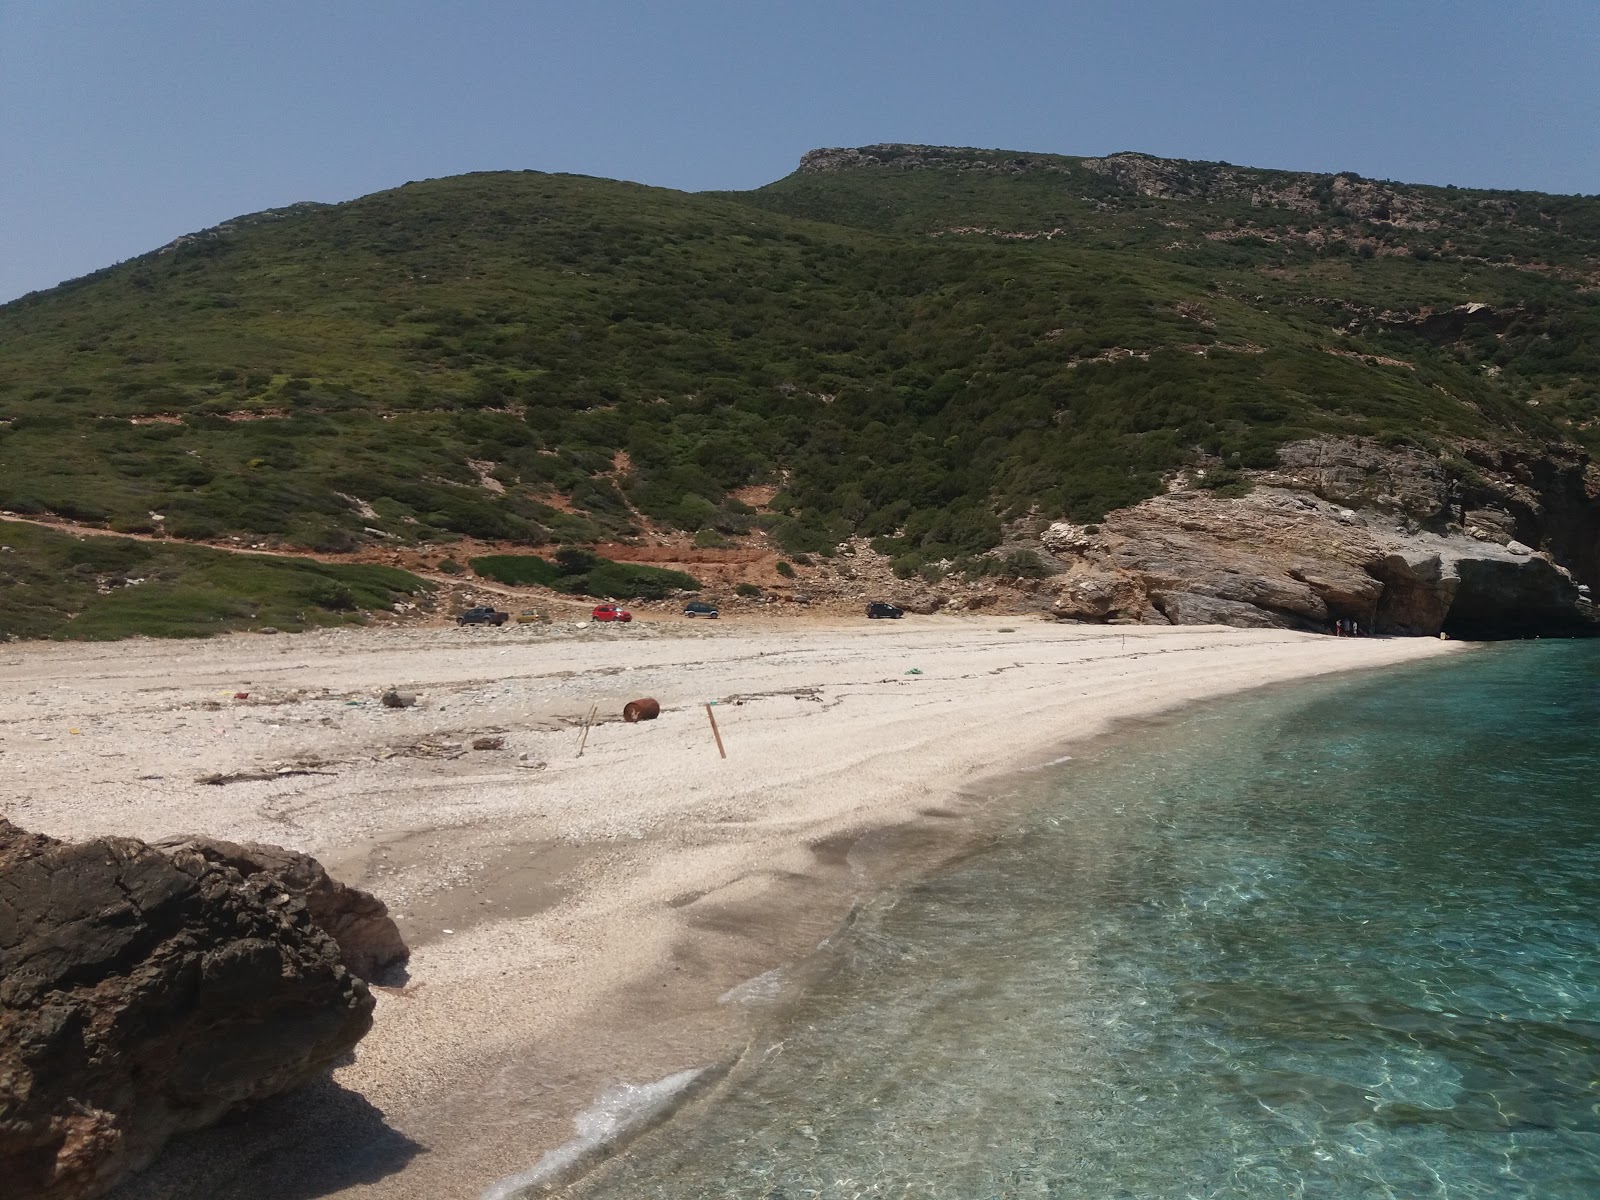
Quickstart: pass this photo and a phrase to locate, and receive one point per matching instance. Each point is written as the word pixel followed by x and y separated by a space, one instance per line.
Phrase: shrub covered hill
pixel 911 344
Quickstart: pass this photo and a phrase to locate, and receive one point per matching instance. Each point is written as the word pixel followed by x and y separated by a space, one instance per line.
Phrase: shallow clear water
pixel 1333 941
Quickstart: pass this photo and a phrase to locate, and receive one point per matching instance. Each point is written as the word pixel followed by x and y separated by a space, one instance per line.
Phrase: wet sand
pixel 575 920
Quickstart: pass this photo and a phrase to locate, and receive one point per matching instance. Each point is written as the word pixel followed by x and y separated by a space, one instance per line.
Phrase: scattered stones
pixel 488 743
pixel 397 699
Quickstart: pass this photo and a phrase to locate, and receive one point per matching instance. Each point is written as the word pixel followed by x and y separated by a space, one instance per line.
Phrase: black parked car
pixel 483 615
pixel 879 610
pixel 699 608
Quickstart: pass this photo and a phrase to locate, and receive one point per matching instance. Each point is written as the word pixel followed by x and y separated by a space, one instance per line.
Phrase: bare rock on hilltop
pixel 145 994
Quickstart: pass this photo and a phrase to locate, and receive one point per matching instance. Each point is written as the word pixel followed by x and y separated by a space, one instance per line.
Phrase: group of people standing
pixel 1346 627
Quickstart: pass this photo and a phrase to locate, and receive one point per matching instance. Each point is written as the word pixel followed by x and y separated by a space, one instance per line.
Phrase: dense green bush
pixel 517 570
pixel 582 573
pixel 627 581
pixel 1015 564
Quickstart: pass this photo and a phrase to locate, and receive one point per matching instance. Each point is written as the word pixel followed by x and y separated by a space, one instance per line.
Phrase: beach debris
pixel 221 780
pixel 488 743
pixel 241 695
pixel 798 693
pixel 583 738
pixel 425 749
pixel 398 699
pixel 914 671
pixel 646 709
pixel 715 732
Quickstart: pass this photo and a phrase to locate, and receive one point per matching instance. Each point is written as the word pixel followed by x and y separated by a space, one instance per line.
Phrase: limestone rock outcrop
pixel 146 993
pixel 1352 531
pixel 368 939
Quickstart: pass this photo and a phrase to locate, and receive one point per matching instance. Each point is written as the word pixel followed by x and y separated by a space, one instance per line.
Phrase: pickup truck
pixel 482 615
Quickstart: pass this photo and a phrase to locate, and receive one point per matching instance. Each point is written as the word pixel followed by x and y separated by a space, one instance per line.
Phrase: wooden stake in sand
pixel 712 717
pixel 584 739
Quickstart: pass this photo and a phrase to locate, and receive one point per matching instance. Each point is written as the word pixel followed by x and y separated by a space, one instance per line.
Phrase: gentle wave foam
pixel 618 1111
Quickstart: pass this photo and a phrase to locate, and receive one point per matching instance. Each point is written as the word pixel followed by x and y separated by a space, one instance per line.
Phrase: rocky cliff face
pixel 1169 179
pixel 143 994
pixel 1345 530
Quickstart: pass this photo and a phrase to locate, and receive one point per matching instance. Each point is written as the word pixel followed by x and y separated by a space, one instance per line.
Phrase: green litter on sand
pixel 914 671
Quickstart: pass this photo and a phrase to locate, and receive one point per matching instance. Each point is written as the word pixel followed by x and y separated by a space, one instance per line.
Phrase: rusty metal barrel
pixel 641 710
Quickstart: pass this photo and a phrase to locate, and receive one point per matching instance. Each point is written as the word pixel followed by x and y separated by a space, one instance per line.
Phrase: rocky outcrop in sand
pixel 146 993
pixel 369 941
pixel 1348 530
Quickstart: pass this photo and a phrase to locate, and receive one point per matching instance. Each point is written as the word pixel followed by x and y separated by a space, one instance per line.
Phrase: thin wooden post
pixel 584 739
pixel 715 732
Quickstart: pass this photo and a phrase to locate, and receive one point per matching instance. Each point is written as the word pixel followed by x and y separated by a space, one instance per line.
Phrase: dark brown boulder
pixel 144 994
pixel 368 938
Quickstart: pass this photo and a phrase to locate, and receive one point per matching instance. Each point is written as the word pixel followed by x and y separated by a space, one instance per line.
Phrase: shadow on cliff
pixel 306 1144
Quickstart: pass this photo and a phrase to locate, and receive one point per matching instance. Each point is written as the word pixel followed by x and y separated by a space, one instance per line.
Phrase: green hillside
pixel 53 584
pixel 912 343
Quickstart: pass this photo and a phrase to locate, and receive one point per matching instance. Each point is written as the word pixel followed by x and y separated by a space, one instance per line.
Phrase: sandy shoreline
pixel 574 920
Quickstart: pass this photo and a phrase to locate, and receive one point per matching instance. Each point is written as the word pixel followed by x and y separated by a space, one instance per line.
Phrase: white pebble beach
pixel 574 920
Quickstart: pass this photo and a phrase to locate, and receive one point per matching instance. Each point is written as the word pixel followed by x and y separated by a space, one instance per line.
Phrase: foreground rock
pixel 368 939
pixel 144 994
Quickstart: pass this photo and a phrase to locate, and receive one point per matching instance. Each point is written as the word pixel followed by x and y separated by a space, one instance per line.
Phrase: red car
pixel 610 612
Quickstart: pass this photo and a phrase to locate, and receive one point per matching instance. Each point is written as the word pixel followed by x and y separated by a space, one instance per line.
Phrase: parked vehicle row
pixel 485 614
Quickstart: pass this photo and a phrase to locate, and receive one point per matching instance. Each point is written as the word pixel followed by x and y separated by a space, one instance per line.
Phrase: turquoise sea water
pixel 1338 941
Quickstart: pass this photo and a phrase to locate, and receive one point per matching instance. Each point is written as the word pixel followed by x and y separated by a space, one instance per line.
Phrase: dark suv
pixel 483 615
pixel 699 608
pixel 878 610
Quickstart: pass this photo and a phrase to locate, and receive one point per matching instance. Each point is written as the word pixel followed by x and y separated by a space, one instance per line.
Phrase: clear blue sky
pixel 124 123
